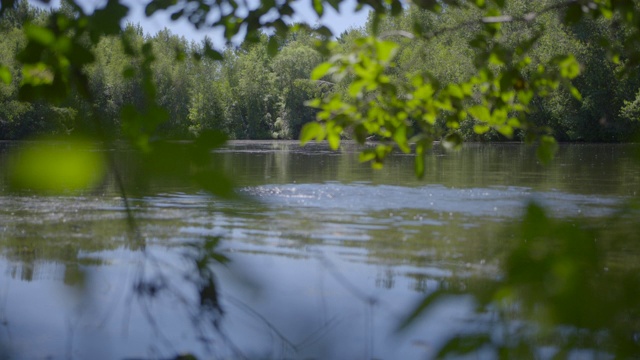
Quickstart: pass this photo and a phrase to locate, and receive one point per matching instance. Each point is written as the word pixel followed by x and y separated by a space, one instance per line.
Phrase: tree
pixel 497 90
pixel 257 98
pixel 516 56
pixel 293 65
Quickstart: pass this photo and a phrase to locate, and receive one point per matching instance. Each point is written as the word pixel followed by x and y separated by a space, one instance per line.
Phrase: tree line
pixel 260 89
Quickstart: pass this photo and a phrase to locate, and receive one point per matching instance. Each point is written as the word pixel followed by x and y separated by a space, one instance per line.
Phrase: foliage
pixel 260 88
pixel 537 71
pixel 560 281
pixel 515 69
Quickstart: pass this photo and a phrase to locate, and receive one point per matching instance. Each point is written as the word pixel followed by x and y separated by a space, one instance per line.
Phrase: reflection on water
pixel 326 254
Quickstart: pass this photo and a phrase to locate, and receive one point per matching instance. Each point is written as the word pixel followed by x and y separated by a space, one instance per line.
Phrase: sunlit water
pixel 326 255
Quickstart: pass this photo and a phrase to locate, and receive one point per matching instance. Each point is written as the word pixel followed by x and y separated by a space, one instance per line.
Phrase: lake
pixel 325 255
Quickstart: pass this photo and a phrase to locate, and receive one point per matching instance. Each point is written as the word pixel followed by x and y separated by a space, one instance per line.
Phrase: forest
pixel 449 70
pixel 261 89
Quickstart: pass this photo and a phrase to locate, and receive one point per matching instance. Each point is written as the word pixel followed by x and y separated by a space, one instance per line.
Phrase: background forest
pixel 258 90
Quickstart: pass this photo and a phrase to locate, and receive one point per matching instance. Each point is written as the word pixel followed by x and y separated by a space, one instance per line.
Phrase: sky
pixel 337 22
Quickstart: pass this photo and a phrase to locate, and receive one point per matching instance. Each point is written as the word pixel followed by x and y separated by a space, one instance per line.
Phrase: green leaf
pixel 321 70
pixel 216 183
pixel 576 93
pixel 156 5
pixel 453 142
pixel 210 52
pixel 335 4
pixel 334 140
pixel 400 137
pixel 431 5
pixel 505 130
pixel 386 50
pixel 481 113
pixel 367 155
pixel 525 96
pixel 455 91
pixel 129 73
pixel 464 344
pixel 202 146
pixel 481 128
pixel 5 74
pixel 177 15
pixel 272 46
pixel 547 149
pixel 56 165
pixel 6 4
pixel 106 21
pixel 573 13
pixel 498 56
pixel 569 66
pixel 421 308
pixel 311 130
pixel 39 34
pixel 324 31
pixel 360 132
pixel 318 7
pixel 420 160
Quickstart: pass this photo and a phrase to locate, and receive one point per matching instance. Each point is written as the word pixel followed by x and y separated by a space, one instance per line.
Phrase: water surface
pixel 326 254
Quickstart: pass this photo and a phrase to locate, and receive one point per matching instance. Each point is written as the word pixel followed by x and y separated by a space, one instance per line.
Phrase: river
pixel 325 255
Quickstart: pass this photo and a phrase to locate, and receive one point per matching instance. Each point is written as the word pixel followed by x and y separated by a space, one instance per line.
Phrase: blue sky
pixel 337 22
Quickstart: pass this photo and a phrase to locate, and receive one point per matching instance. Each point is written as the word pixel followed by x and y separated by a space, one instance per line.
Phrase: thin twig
pixel 240 304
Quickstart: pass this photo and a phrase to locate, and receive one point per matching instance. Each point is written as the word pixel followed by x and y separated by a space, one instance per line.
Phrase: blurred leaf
pixel 56 165
pixel 367 155
pixel 106 21
pixel 569 66
pixel 5 74
pixel 335 4
pixel 209 296
pixel 573 13
pixel 481 128
pixel 334 140
pixel 155 5
pixel 481 113
pixel 318 7
pixel 386 50
pixel 396 7
pixel 422 307
pixel 547 149
pixel 420 160
pixel 6 4
pixel 39 34
pixel 452 142
pixel 400 137
pixel 324 31
pixel 321 70
pixel 431 5
pixel 210 52
pixel 464 344
pixel 215 182
pixel 576 93
pixel 310 131
pixel 129 73
pixel 206 141
pixel 272 46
